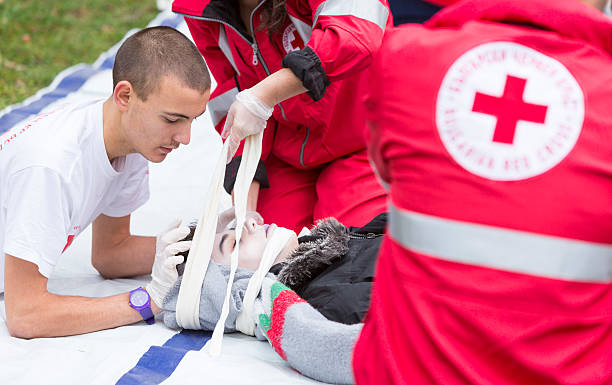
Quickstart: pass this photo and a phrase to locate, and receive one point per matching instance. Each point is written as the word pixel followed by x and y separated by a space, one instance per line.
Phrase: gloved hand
pixel 247 116
pixel 164 274
pixel 228 215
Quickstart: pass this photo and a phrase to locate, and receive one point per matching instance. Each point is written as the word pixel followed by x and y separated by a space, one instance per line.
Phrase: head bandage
pixel 187 306
pixel 275 245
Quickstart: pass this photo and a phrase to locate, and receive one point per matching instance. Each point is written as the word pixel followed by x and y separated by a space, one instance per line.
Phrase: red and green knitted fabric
pixel 310 343
pixel 281 298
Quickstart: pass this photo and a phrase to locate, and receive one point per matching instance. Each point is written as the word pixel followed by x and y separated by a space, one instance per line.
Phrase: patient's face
pixel 252 244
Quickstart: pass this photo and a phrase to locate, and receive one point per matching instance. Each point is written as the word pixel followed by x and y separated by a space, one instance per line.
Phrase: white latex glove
pixel 164 274
pixel 229 215
pixel 247 116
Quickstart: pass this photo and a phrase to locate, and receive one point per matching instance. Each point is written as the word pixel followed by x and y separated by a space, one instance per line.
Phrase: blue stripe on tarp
pixel 173 21
pixel 159 362
pixel 71 83
pixel 68 85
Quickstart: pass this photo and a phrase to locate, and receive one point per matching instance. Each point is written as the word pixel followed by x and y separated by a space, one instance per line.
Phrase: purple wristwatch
pixel 141 301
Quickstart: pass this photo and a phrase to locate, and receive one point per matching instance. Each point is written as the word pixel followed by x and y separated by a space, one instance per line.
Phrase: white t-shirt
pixel 55 179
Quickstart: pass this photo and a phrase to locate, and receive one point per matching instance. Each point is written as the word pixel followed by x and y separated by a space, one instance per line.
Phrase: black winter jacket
pixel 333 268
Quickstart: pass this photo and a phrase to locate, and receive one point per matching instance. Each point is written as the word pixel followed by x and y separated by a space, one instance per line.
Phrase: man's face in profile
pixel 159 124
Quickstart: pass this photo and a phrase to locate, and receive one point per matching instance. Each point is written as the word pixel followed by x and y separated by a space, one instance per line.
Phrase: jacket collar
pixel 569 18
pixel 225 11
pixel 190 7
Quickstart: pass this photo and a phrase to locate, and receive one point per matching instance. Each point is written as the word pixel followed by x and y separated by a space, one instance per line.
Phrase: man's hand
pixel 247 116
pixel 164 274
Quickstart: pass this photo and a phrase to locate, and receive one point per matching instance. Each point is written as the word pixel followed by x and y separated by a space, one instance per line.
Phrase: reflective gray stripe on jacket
pixel 225 48
pixel 219 105
pixel 503 249
pixel 303 29
pixel 371 10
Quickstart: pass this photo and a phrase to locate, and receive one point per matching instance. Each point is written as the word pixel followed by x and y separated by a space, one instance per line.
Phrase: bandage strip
pixel 246 171
pixel 187 309
pixel 187 306
pixel 275 245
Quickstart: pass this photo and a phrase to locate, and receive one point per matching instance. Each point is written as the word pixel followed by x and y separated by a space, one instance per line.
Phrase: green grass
pixel 38 39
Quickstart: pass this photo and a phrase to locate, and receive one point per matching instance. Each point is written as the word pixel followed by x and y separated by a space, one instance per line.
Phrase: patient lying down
pixel 311 303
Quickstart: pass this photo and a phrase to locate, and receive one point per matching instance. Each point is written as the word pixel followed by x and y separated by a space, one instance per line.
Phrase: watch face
pixel 139 298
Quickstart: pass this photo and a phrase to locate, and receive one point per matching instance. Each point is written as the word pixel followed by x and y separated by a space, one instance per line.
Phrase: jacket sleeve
pixel 345 35
pixel 207 38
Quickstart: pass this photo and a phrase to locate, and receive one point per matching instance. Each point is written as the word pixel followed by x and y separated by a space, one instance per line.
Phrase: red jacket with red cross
pixel 328 44
pixel 495 141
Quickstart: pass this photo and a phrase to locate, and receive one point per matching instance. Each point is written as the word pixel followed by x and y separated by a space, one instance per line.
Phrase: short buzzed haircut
pixel 151 53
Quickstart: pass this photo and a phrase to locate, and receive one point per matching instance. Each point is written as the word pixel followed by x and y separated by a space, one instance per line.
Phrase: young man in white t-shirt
pixel 87 162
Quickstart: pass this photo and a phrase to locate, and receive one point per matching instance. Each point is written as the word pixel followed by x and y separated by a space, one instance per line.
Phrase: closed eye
pixel 222 244
pixel 170 120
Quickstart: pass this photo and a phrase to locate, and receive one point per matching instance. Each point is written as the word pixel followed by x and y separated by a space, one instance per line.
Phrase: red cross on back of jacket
pixel 495 141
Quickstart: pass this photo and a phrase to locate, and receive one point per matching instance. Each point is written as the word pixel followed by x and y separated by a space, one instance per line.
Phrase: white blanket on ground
pixel 177 187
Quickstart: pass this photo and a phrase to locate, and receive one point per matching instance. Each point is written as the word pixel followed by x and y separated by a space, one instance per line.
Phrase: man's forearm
pixel 31 311
pixel 54 315
pixel 115 253
pixel 133 256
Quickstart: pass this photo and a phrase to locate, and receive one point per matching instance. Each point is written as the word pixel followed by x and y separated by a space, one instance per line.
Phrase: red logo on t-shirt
pixel 68 242
pixel 11 135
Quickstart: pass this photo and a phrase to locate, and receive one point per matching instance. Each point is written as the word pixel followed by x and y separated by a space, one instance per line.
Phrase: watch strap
pixel 147 315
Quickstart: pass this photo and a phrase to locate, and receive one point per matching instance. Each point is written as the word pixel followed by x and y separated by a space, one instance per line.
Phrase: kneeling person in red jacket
pixel 494 139
pixel 296 69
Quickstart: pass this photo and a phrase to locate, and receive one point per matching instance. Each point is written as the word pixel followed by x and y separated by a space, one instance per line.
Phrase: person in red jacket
pixel 495 141
pixel 308 60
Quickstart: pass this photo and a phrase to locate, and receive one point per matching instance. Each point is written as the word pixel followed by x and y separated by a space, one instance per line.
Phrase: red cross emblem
pixel 537 103
pixel 292 41
pixel 509 109
pixel 296 40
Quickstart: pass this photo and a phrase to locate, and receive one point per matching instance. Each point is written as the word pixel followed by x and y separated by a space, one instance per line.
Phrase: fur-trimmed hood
pixel 327 243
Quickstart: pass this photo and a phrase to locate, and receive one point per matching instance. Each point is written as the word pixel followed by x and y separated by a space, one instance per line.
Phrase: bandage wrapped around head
pixel 188 302
pixel 215 282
